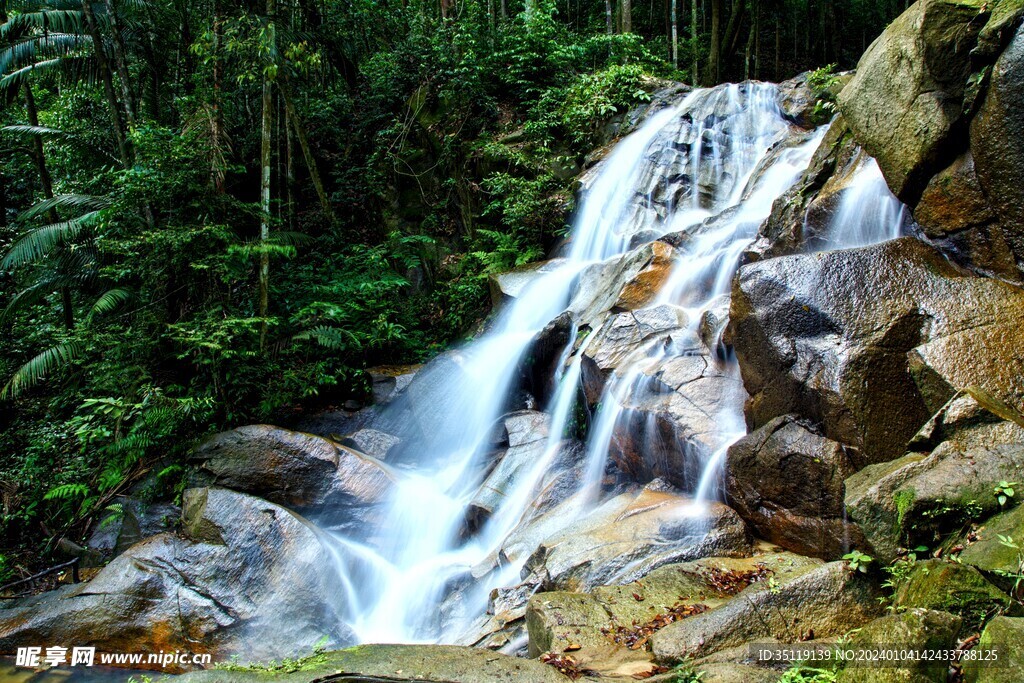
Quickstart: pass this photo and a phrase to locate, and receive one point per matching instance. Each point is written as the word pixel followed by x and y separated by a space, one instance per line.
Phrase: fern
pixel 67 492
pixel 43 240
pixel 329 337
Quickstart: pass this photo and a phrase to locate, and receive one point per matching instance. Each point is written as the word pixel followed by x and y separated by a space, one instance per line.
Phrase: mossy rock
pixel 997 561
pixel 394 663
pixel 955 588
pixel 1006 634
pixel 915 629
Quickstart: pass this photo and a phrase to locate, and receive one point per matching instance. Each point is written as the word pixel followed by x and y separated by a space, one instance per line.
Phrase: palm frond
pixel 38 368
pixel 43 240
pixel 109 301
pixel 70 203
pixel 289 238
pixel 31 130
pixel 31 50
pixel 27 297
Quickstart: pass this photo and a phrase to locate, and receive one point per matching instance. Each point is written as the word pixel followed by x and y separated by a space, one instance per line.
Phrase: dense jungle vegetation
pixel 217 213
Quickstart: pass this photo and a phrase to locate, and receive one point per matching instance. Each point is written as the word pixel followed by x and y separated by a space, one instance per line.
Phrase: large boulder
pixel 997 142
pixel 670 424
pixel 1006 636
pixel 916 630
pixel 1002 562
pixel 626 538
pixel 955 215
pixel 945 481
pixel 248 579
pixel 301 471
pixel 560 621
pixel 396 664
pixel 906 100
pixel 827 337
pixel 827 600
pixel 955 588
pixel 803 513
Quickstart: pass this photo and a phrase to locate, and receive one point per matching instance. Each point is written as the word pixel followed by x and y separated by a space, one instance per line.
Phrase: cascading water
pixel 705 174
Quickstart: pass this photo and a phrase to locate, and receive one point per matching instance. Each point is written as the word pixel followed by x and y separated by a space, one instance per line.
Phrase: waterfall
pixel 702 174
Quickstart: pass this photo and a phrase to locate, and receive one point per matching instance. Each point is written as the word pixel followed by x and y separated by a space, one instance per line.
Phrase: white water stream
pixel 708 168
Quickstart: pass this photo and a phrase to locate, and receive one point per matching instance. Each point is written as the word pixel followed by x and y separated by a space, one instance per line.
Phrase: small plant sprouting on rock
pixel 685 673
pixel 822 82
pixel 800 674
pixel 858 561
pixel 1018 575
pixel 1003 492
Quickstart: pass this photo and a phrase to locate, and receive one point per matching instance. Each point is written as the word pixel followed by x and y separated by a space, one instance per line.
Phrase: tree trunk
pixel 266 131
pixel 307 153
pixel 675 37
pixel 609 26
pixel 103 65
pixel 695 66
pixel 627 15
pixel 732 31
pixel 748 53
pixel 715 54
pixel 778 48
pixel 217 117
pixel 46 183
pixel 121 64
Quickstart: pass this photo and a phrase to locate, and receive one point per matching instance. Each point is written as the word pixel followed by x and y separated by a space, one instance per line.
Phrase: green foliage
pixel 823 82
pixel 858 561
pixel 804 674
pixel 685 673
pixel 1003 492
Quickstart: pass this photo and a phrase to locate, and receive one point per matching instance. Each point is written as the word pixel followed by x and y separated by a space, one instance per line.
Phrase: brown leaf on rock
pixel 636 636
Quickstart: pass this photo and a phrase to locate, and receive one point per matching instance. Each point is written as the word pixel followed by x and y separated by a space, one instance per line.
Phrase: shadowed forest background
pixel 215 213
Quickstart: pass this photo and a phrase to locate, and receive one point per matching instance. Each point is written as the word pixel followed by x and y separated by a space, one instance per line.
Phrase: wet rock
pixel 644 288
pixel 249 578
pixel 620 339
pixel 945 480
pixel 541 364
pixel 298 470
pixel 1006 17
pixel 786 481
pixel 372 442
pixel 509 285
pixel 800 218
pixel 955 588
pixel 918 630
pixel 390 380
pixel 599 286
pixel 827 337
pixel 997 142
pixel 402 664
pixel 906 99
pixel 1006 635
pixel 135 520
pixel 525 427
pixel 955 215
pixel 668 427
pixel 627 537
pixel 821 601
pixel 527 440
